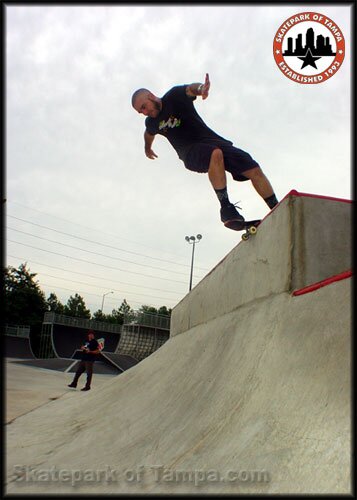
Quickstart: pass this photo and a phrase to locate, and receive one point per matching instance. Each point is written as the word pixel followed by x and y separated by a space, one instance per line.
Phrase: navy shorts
pixel 236 161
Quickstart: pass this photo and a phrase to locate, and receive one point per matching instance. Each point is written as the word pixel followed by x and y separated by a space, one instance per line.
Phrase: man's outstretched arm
pixel 149 139
pixel 196 89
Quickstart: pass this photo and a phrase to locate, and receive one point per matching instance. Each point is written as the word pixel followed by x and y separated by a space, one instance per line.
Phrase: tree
pixel 117 316
pixel 104 318
pixel 99 316
pixel 76 307
pixel 163 311
pixel 125 308
pixel 54 305
pixel 147 310
pixel 25 303
pixel 123 314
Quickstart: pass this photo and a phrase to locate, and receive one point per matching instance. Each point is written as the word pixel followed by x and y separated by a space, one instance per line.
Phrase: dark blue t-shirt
pixel 92 346
pixel 180 123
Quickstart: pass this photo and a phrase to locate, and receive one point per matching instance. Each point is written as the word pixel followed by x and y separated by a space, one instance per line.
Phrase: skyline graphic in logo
pixel 309 48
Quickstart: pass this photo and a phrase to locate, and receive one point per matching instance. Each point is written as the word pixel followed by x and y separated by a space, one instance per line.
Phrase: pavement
pixel 250 395
pixel 30 387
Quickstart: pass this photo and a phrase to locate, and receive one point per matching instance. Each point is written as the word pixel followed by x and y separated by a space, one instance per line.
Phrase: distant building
pixel 310 40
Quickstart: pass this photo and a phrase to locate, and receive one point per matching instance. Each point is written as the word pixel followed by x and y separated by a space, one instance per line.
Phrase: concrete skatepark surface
pixel 250 395
pixel 29 387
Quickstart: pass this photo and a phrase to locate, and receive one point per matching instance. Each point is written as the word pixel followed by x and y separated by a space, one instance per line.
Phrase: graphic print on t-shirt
pixel 172 122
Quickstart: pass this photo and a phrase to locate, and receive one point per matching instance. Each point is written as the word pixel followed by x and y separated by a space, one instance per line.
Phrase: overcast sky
pixel 76 173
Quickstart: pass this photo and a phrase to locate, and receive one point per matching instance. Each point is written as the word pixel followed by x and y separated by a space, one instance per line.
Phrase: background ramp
pixel 17 347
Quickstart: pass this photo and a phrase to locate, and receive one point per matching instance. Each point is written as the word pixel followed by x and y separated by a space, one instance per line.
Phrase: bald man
pixel 199 147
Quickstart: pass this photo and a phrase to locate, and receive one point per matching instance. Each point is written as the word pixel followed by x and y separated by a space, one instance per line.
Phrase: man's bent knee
pixel 216 156
pixel 254 173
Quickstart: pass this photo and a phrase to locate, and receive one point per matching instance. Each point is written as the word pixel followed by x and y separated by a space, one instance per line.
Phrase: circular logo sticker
pixel 309 48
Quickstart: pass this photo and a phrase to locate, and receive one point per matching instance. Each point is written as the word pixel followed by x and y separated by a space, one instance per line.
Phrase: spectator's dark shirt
pixel 92 346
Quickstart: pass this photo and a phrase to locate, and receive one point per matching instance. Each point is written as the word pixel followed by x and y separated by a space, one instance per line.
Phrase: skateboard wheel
pixel 252 230
pixel 245 237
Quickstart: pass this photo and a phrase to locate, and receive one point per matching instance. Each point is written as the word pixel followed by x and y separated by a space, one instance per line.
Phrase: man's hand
pixel 150 154
pixel 205 87
pixel 199 89
pixel 149 139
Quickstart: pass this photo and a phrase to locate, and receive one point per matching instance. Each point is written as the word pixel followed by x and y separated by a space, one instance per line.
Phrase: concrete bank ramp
pixel 253 400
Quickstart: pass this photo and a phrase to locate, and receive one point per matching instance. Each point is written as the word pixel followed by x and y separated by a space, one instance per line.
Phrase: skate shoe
pixel 231 218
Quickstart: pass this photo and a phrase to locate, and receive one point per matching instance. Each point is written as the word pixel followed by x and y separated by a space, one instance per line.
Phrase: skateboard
pixel 250 227
pixel 101 344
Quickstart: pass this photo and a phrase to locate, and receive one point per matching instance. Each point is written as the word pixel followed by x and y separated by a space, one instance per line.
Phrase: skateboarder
pixel 200 148
pixel 89 354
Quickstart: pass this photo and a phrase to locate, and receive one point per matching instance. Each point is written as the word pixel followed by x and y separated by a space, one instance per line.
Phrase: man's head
pixel 146 103
pixel 90 334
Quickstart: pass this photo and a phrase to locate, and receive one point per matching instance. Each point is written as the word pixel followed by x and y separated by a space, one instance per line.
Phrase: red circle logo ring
pixel 309 48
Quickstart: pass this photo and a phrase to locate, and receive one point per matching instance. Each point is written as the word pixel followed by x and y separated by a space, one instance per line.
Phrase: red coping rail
pixel 320 284
pixel 310 195
pixel 293 192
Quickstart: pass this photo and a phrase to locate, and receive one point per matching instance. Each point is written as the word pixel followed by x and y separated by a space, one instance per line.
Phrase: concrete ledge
pixel 321 239
pixel 305 239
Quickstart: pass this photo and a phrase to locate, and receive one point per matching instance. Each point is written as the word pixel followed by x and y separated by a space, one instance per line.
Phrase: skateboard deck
pixel 101 344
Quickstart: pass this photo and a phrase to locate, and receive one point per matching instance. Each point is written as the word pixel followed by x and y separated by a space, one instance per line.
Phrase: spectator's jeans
pixel 84 366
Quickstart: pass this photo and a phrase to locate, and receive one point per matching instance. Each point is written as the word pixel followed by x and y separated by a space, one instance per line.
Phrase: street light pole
pixel 193 255
pixel 103 299
pixel 192 241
